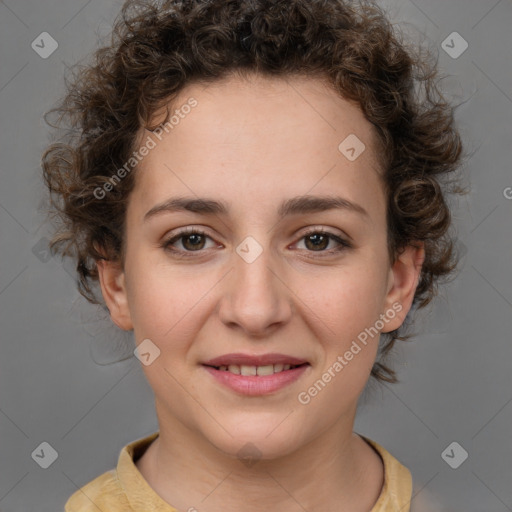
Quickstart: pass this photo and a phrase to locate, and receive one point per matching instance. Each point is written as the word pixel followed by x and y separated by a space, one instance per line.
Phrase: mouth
pixel 251 365
pixel 253 370
pixel 256 375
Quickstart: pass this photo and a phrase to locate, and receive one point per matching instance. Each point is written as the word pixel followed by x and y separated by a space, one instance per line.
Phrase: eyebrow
pixel 293 206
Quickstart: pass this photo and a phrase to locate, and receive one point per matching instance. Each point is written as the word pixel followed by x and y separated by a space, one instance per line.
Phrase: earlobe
pixel 113 288
pixel 404 278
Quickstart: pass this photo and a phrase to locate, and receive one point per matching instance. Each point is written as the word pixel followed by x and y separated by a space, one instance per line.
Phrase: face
pixel 255 275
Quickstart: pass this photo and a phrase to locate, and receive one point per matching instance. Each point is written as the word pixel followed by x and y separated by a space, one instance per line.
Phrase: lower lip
pixel 257 385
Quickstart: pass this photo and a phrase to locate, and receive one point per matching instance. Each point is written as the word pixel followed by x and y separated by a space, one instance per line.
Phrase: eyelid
pixel 327 231
pixel 183 232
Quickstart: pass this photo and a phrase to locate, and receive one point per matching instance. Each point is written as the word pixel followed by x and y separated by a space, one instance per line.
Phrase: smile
pixel 256 375
pixel 247 370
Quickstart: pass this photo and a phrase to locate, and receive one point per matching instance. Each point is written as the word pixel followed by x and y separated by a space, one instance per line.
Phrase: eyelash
pixel 196 231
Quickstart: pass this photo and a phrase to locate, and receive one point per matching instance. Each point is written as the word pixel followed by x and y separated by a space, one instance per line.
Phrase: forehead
pixel 258 135
pixel 290 107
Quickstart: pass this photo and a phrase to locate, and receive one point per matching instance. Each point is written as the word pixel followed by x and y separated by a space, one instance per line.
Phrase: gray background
pixel 62 383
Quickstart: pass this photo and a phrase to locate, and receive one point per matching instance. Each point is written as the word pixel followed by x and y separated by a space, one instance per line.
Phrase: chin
pixel 255 439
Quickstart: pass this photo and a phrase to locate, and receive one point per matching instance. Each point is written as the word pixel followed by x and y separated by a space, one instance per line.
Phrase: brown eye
pixel 193 242
pixel 318 241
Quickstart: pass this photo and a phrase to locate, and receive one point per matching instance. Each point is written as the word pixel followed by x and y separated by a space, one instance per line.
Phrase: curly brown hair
pixel 158 48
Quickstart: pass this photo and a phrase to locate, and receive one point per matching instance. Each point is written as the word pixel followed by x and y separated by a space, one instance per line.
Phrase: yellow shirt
pixel 124 489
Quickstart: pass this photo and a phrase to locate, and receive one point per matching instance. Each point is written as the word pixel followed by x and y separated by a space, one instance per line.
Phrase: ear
pixel 403 280
pixel 113 288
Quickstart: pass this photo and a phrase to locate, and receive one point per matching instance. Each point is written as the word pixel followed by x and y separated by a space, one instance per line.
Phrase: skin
pixel 254 143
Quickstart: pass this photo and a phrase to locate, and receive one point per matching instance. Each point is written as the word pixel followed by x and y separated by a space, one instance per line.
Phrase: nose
pixel 255 298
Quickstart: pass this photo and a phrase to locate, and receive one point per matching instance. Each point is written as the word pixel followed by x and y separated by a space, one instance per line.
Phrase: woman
pixel 256 187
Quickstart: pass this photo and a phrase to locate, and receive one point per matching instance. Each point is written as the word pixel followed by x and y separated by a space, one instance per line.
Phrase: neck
pixel 188 472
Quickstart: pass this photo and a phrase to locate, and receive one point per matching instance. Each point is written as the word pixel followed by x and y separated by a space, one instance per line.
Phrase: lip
pixel 253 360
pixel 257 385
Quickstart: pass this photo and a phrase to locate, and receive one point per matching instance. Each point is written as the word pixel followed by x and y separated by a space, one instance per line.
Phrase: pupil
pixel 318 240
pixel 195 240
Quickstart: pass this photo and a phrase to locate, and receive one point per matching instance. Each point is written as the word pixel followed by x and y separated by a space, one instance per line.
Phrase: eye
pixel 192 240
pixel 317 240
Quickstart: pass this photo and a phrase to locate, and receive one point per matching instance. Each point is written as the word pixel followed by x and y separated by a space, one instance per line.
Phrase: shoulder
pixel 102 493
pixel 108 492
pixel 397 486
pixel 399 490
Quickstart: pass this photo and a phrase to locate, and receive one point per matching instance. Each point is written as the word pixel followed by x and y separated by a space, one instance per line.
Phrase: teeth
pixel 247 370
pixel 265 370
pixel 233 368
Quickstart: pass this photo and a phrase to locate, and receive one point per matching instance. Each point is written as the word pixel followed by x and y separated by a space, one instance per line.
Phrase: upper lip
pixel 253 360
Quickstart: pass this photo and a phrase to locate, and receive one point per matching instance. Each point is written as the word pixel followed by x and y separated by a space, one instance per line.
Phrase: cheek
pixel 349 300
pixel 160 299
pixel 170 304
pixel 348 308
pixel 347 311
